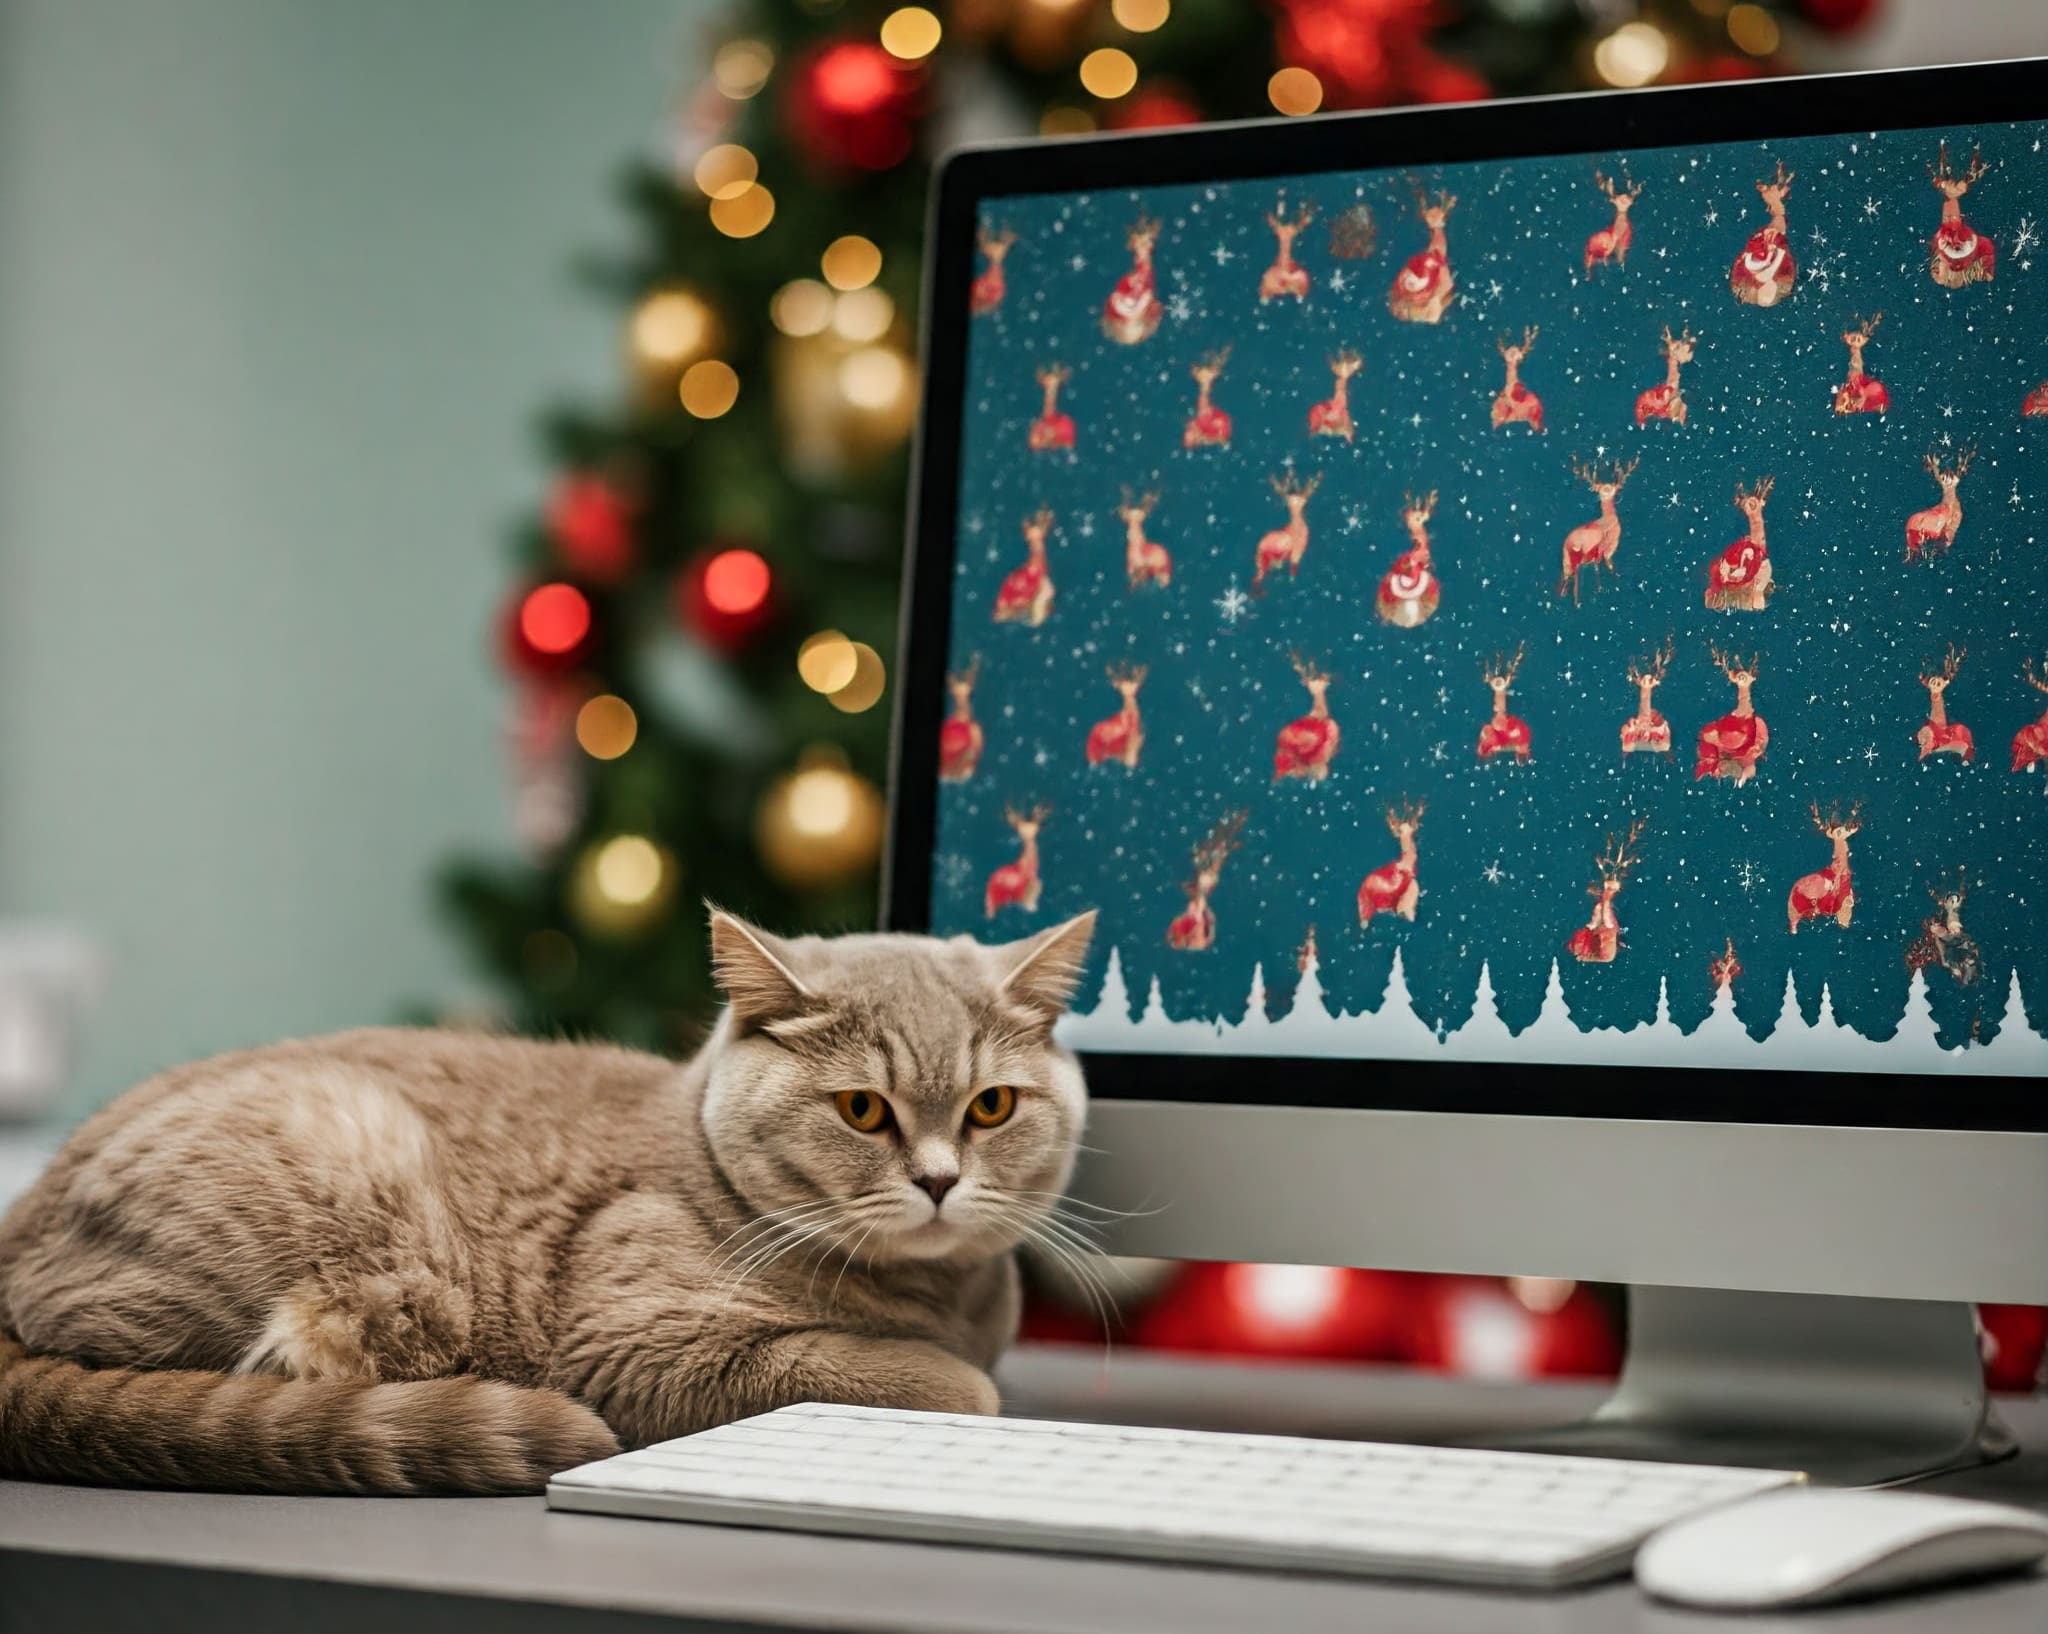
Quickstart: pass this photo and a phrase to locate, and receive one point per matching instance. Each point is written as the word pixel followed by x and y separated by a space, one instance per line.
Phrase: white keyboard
pixel 1514 1519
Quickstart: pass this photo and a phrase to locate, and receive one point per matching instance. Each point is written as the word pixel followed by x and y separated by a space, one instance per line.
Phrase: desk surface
pixel 173 1560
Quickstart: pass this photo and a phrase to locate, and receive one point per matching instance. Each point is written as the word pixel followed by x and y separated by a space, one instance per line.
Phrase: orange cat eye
pixel 992 1106
pixel 862 1109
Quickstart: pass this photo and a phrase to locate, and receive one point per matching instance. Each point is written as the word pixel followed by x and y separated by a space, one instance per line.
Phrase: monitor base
pixel 1853 1391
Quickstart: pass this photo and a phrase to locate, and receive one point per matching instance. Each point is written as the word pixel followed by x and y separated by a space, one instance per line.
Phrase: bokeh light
pixel 1062 120
pixel 874 377
pixel 629 869
pixel 670 326
pixel 1141 16
pixel 606 726
pixel 1108 73
pixel 554 618
pixel 742 67
pixel 803 306
pixel 1294 92
pixel 851 262
pixel 1753 29
pixel 735 582
pixel 827 661
pixel 864 691
pixel 863 314
pixel 821 801
pixel 910 33
pixel 709 388
pixel 744 214
pixel 1634 54
pixel 726 171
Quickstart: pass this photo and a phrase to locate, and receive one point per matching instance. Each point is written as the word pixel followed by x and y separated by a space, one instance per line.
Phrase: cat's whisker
pixel 765 1226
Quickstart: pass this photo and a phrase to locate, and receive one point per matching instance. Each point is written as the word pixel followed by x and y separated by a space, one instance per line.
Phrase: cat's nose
pixel 935 1186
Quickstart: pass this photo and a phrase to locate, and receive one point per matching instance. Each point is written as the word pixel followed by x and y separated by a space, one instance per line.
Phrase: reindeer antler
pixel 1054 374
pixel 969 675
pixel 1346 361
pixel 1949 665
pixel 1623 472
pixel 1001 239
pixel 1619 857
pixel 1292 487
pixel 1734 664
pixel 1963 461
pixel 1759 493
pixel 2035 678
pixel 1941 172
pixel 1425 507
pixel 1309 673
pixel 1220 841
pixel 1835 820
pixel 1653 667
pixel 1865 327
pixel 1122 675
pixel 1503 669
pixel 1145 227
pixel 1039 521
pixel 1407 813
pixel 1629 188
pixel 1212 363
pixel 1783 178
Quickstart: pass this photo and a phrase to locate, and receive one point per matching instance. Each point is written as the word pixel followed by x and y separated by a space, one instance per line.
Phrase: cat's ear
pixel 1040 973
pixel 751 966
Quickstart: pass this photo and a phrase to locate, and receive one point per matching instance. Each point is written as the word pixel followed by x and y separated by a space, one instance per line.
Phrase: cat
pixel 399 1261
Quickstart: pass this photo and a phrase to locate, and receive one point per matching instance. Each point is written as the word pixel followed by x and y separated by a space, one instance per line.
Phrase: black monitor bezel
pixel 1600 122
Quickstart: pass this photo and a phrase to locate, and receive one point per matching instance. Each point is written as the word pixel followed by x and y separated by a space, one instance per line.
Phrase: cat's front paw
pixel 963 1388
pixel 910 1374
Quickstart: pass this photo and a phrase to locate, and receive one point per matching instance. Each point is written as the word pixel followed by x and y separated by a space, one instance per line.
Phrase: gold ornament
pixel 821 825
pixel 621 887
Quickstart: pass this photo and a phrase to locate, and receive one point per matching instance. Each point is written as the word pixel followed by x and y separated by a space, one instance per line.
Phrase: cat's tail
pixel 256 1433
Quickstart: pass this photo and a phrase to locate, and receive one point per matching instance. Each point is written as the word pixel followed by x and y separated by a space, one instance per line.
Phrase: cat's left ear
pixel 749 965
pixel 1040 973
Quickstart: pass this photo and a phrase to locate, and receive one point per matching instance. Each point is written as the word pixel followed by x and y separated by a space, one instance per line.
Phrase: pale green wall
pixel 282 283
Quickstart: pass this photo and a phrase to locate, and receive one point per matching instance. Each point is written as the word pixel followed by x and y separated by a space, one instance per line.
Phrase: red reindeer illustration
pixel 1286 276
pixel 1016 884
pixel 2030 743
pixel 1739 579
pixel 1599 939
pixel 1505 733
pixel 1593 544
pixel 1647 732
pixel 1052 429
pixel 1959 255
pixel 1517 404
pixel 1144 561
pixel 1306 955
pixel 1132 312
pixel 1195 927
pixel 1939 736
pixel 1332 416
pixel 1667 402
pixel 1611 242
pixel 985 294
pixel 1408 594
pixel 1829 894
pixel 1284 546
pixel 960 739
pixel 1861 393
pixel 1026 594
pixel 1731 746
pixel 2037 401
pixel 1938 525
pixel 1209 427
pixel 1306 745
pixel 1391 888
pixel 1423 289
pixel 1725 967
pixel 1764 273
pixel 1942 941
pixel 1122 735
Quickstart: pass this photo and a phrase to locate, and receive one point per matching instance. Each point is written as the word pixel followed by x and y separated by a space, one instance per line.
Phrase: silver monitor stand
pixel 1799 1295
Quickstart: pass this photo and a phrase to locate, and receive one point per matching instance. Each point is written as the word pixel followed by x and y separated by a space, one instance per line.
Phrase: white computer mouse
pixel 1805 1545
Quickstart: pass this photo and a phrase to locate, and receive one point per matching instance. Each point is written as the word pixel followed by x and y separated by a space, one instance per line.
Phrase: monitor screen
pixel 1585 609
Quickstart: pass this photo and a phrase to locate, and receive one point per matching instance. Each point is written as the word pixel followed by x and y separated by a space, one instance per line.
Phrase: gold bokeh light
pixel 1108 73
pixel 1753 29
pixel 1294 92
pixel 910 33
pixel 606 726
pixel 875 377
pixel 863 314
pixel 851 262
pixel 864 690
pixel 744 214
pixel 709 388
pixel 726 171
pixel 827 661
pixel 670 326
pixel 1634 54
pixel 741 68
pixel 803 306
pixel 1065 121
pixel 1141 16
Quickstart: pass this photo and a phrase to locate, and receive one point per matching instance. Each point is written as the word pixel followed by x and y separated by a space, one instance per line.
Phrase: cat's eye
pixel 992 1106
pixel 862 1109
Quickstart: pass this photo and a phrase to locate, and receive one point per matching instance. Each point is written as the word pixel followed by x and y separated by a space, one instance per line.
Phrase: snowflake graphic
pixel 1870 755
pixel 1870 209
pixel 1179 308
pixel 1713 216
pixel 1493 873
pixel 1223 255
pixel 2028 237
pixel 1748 876
pixel 1233 604
pixel 976 522
pixel 955 871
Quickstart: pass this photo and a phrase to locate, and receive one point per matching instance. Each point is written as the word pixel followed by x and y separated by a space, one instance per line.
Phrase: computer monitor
pixel 1530 623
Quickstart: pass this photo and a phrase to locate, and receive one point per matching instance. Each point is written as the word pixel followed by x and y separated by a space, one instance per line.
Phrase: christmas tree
pixel 700 629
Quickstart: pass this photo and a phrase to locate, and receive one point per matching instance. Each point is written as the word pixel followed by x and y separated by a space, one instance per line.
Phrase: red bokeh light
pixel 554 618
pixel 735 582
pixel 855 78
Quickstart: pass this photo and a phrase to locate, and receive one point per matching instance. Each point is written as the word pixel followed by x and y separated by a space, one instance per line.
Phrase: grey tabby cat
pixel 395 1261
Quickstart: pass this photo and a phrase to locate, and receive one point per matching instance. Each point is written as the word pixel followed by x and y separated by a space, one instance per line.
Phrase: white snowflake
pixel 2028 237
pixel 1493 873
pixel 1871 208
pixel 1713 216
pixel 1748 876
pixel 1233 604
pixel 1043 757
pixel 1178 308
pixel 1223 255
pixel 955 871
pixel 1079 263
pixel 1338 281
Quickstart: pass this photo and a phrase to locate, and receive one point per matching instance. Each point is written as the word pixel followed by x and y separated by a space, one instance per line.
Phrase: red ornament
pixel 545 629
pixel 1308 1311
pixel 850 103
pixel 1476 1328
pixel 1838 16
pixel 1154 108
pixel 591 524
pixel 2013 1339
pixel 724 596
pixel 1361 50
